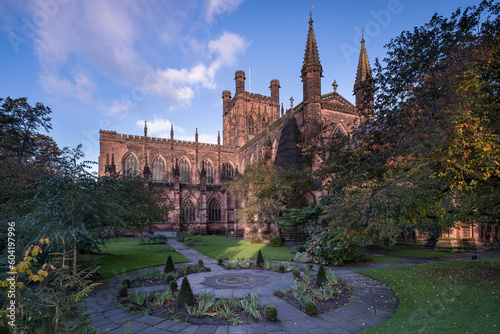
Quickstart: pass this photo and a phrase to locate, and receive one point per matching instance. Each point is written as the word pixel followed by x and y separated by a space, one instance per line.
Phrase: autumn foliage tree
pixel 266 189
pixel 430 153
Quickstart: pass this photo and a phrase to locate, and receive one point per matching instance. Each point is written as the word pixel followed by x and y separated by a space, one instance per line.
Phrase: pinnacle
pixel 311 56
pixel 363 64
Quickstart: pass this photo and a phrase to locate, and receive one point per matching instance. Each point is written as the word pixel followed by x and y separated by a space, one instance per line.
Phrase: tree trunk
pixel 75 254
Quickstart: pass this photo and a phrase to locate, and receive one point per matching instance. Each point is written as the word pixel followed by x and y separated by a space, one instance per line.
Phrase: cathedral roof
pixel 289 154
pixel 311 56
pixel 363 65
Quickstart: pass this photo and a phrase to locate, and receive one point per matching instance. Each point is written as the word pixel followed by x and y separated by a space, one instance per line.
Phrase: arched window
pixel 188 213
pixel 209 169
pixel 184 171
pixel 130 166
pixel 251 126
pixel 158 169
pixel 227 171
pixel 214 210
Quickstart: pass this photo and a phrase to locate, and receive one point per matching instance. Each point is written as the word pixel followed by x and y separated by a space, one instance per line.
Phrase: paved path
pixel 371 303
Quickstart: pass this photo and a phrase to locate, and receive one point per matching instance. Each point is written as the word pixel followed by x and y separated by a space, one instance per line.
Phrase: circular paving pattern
pixel 231 281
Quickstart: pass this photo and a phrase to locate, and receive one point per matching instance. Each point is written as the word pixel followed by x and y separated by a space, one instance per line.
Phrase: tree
pixel 429 155
pixel 25 152
pixel 267 189
pixel 48 297
pixel 85 209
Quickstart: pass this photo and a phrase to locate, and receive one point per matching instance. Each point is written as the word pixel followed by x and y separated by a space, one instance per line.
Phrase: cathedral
pixel 191 175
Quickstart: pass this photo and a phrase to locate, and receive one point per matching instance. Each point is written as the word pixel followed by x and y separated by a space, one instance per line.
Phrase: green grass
pixel 385 259
pixel 128 254
pixel 443 297
pixel 227 248
pixel 418 253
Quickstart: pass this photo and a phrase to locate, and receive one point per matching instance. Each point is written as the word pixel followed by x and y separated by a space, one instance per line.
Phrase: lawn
pixel 444 297
pixel 385 259
pixel 227 248
pixel 129 254
pixel 418 253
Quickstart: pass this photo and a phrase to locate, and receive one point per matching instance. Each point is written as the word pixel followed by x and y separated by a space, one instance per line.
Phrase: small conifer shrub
pixel 310 308
pixel 126 282
pixel 296 273
pixel 281 268
pixel 170 278
pixel 220 261
pixel 260 259
pixel 173 285
pixel 321 276
pixel 186 296
pixel 123 291
pixel 310 267
pixel 271 313
pixel 200 263
pixel 169 267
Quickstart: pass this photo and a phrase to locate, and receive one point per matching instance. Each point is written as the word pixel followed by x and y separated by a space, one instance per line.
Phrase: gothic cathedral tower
pixel 311 74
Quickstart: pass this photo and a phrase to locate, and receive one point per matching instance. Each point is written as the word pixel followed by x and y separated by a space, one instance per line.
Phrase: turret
pixel 226 98
pixel 239 77
pixel 275 99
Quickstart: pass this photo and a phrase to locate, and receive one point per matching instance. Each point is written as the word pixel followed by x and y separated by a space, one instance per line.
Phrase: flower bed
pixel 307 296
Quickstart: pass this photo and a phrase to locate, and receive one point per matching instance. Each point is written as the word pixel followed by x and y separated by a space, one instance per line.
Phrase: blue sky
pixel 113 64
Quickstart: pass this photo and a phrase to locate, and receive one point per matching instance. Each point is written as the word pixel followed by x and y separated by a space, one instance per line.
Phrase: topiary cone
pixel 186 296
pixel 169 267
pixel 321 276
pixel 260 259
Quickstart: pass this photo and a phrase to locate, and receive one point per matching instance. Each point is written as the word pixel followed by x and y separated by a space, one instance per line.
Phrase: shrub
pixel 278 293
pixel 298 249
pixel 173 285
pixel 220 262
pixel 260 259
pixel 296 273
pixel 332 248
pixel 271 313
pixel 310 267
pixel 200 263
pixel 255 239
pixel 186 296
pixel 310 307
pixel 275 241
pixel 170 278
pixel 320 276
pixel 123 291
pixel 169 267
pixel 281 268
pixel 126 282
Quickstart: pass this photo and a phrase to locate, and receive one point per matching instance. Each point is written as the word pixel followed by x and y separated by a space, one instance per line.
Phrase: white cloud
pixel 177 83
pixel 227 46
pixel 79 86
pixel 159 127
pixel 219 7
pixel 113 44
pixel 202 138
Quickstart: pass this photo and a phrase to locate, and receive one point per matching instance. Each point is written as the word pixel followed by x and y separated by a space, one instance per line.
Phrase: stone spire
pixel 145 129
pixel 171 131
pixel 196 135
pixel 363 65
pixel 311 74
pixel 364 85
pixel 311 56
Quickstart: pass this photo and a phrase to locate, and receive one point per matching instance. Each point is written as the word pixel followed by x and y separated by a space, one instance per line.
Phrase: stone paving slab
pixel 371 303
